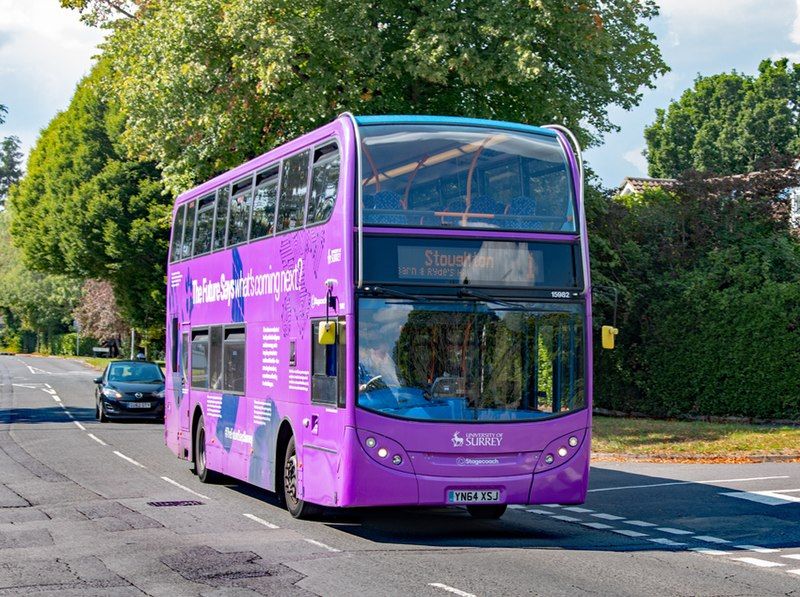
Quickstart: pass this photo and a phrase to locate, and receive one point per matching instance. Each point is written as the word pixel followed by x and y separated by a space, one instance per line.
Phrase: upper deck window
pixel 448 176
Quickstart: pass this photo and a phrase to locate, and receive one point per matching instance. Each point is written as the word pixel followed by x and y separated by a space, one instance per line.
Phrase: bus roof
pixel 454 120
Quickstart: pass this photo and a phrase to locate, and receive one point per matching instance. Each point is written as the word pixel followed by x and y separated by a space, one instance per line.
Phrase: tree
pixel 728 123
pixel 207 84
pixel 86 211
pixel 32 301
pixel 103 12
pixel 10 160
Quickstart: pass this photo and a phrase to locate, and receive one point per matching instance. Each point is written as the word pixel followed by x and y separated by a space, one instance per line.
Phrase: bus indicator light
pixel 573 441
pixel 548 459
pixel 370 441
pixel 397 459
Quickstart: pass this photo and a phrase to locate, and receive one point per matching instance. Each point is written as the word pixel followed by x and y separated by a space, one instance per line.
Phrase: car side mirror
pixel 98 380
pixel 609 336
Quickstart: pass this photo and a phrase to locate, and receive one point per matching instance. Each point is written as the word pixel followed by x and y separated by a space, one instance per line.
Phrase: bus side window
pixel 233 360
pixel 188 230
pixel 173 337
pixel 324 183
pixel 177 234
pixel 327 385
pixel 266 198
pixel 294 188
pixel 220 219
pixel 239 212
pixel 205 223
pixel 215 359
pixel 200 358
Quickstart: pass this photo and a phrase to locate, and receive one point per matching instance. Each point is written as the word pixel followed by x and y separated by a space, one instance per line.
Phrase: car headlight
pixel 160 394
pixel 111 393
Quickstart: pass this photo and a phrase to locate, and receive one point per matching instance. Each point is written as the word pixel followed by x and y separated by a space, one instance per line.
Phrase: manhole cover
pixel 175 503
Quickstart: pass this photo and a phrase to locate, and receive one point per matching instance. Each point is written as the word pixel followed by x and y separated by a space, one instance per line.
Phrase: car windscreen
pixel 135 372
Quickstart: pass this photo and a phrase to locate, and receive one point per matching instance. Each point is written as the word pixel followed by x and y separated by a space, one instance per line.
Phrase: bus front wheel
pixel 296 507
pixel 200 464
pixel 487 512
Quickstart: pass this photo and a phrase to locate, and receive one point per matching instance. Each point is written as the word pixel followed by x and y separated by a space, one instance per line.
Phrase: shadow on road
pixel 47 414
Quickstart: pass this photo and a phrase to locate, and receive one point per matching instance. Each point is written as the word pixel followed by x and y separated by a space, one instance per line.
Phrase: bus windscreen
pixel 464 177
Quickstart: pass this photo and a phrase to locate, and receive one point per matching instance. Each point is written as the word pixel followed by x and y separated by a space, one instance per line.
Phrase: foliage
pixel 30 302
pixel 10 160
pixel 206 84
pixel 86 211
pixel 103 12
pixel 710 300
pixel 97 312
pixel 728 123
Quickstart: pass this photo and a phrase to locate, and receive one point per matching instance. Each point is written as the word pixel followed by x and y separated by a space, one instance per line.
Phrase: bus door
pixel 323 428
pixel 183 404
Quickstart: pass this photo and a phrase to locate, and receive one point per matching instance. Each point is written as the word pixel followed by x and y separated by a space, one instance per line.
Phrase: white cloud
pixel 795 34
pixel 636 157
pixel 44 52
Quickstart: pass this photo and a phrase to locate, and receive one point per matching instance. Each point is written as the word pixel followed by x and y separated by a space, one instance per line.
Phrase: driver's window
pixel 327 368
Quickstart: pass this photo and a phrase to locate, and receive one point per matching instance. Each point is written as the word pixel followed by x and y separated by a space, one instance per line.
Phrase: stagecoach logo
pixel 476 439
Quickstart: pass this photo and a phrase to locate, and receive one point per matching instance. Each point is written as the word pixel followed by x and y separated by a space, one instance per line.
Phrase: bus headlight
pixel 370 441
pixel 383 452
pixel 573 441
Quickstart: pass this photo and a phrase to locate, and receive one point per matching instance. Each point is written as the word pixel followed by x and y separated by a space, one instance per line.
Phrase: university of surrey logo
pixel 457 440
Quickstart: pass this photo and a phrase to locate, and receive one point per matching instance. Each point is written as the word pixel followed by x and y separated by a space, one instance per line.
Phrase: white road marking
pixel 710 552
pixel 516 507
pixel 129 459
pixel 792 556
pixel 759 563
pixel 78 425
pixel 543 512
pixel 551 505
pixel 640 523
pixel 453 590
pixel 672 531
pixel 628 533
pixel 597 525
pixel 709 539
pixel 56 398
pixel 49 390
pixel 176 484
pixel 756 548
pixel 269 525
pixel 793 571
pixel 776 497
pixel 37 371
pixel 62 405
pixel 608 516
pixel 567 518
pixel 579 510
pixel 97 439
pixel 26 386
pixel 688 483
pixel 665 541
pixel 322 545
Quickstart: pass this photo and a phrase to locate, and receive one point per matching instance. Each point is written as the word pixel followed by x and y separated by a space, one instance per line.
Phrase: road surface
pixel 105 509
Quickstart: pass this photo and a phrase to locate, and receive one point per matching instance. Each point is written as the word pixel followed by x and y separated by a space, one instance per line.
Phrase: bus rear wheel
pixel 200 463
pixel 296 507
pixel 487 512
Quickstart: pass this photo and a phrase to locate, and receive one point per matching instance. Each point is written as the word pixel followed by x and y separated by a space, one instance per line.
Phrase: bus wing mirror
pixel 609 335
pixel 327 333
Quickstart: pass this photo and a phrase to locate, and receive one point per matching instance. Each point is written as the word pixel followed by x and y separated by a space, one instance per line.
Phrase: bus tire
pixel 296 507
pixel 487 511
pixel 200 463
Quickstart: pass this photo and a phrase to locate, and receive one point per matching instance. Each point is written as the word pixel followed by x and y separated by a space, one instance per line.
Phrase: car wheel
pixel 200 463
pixel 101 413
pixel 96 410
pixel 296 507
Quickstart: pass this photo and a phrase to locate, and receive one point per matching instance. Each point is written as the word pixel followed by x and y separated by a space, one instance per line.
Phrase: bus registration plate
pixel 469 496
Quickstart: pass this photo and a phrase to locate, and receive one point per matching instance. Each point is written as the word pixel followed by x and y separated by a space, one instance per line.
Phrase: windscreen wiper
pixel 397 293
pixel 462 292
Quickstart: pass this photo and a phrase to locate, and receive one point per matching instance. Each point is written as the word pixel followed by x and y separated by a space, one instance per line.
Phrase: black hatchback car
pixel 130 389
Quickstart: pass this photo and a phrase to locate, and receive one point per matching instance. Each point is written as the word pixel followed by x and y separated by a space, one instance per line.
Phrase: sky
pixel 45 50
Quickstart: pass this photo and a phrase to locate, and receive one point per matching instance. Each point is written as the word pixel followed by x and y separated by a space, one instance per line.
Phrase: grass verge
pixel 649 439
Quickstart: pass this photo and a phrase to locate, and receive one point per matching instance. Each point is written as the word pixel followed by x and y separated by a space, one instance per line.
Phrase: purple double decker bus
pixel 389 310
